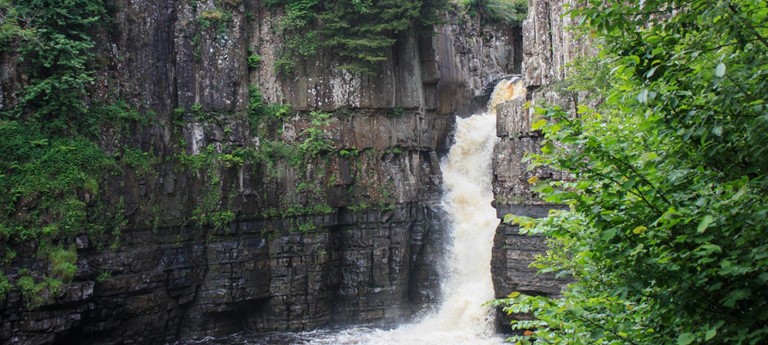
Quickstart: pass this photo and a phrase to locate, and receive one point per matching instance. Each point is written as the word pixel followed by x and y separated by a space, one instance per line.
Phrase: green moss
pixel 46 182
pixel 63 263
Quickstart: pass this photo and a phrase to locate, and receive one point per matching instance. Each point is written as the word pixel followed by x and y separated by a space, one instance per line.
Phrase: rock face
pixel 368 255
pixel 355 267
pixel 548 48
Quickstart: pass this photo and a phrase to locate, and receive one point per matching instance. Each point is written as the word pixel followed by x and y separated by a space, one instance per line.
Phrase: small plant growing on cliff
pixel 35 292
pixel 63 263
pixel 212 17
pixel 103 276
pixel 316 141
pixel 359 207
pixel 349 153
pixel 396 112
pixel 199 114
pixel 307 227
pixel 254 60
pixel 5 285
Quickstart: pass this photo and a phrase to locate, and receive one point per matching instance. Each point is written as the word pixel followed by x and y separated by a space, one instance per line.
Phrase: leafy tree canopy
pixel 665 238
pixel 512 12
pixel 357 30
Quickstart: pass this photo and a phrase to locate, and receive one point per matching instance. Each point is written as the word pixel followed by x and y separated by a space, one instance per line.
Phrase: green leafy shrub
pixel 254 60
pixel 349 153
pixel 360 34
pixel 45 181
pixel 664 237
pixel 316 142
pixel 35 292
pixel 10 30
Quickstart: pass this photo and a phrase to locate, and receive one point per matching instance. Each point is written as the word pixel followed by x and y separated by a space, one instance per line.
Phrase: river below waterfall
pixel 352 336
pixel 462 318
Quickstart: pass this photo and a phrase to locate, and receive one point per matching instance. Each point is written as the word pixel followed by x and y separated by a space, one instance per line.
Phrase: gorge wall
pixel 548 49
pixel 212 240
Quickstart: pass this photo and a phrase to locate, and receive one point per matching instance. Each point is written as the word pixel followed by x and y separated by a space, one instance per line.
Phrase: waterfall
pixel 467 196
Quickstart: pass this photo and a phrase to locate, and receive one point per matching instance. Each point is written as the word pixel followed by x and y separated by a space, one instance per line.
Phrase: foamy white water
pixel 462 318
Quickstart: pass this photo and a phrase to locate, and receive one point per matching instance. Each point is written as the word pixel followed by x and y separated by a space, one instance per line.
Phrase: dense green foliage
pixel 46 182
pixel 359 31
pixel 50 169
pixel 10 28
pixel 57 59
pixel 665 239
pixel 511 12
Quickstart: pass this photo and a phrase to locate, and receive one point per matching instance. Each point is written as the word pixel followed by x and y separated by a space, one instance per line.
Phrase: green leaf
pixel 608 235
pixel 642 97
pixel 710 334
pixel 704 223
pixel 547 147
pixel 639 230
pixel 648 156
pixel 735 296
pixel 720 70
pixel 707 249
pixel 685 338
pixel 651 72
pixel 538 124
pixel 542 187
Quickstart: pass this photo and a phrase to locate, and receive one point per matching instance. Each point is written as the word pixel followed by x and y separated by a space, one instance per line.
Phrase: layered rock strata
pixel 368 256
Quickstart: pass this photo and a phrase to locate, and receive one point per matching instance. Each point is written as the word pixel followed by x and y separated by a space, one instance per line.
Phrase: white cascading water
pixel 467 174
